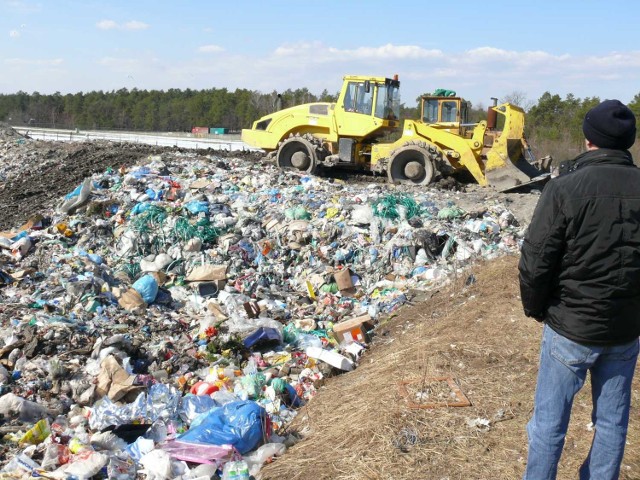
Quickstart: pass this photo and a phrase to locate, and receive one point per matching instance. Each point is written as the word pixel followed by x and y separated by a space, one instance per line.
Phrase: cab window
pixel 357 99
pixel 350 98
pixel 388 102
pixel 364 100
pixel 430 114
pixel 449 111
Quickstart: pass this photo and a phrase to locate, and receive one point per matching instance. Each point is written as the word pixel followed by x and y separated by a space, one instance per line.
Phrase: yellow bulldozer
pixel 350 134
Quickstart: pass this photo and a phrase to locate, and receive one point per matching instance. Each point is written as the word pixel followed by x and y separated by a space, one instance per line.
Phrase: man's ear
pixel 590 146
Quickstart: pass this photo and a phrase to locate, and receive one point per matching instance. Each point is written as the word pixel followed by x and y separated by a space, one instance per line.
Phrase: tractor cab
pixel 368 106
pixel 444 111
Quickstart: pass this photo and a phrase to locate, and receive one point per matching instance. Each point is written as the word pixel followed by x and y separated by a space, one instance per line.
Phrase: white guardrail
pixel 161 140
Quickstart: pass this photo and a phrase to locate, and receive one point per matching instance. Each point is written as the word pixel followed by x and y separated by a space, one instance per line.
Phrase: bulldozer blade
pixel 512 176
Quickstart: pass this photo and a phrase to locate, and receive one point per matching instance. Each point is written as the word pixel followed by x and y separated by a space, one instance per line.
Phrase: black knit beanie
pixel 610 125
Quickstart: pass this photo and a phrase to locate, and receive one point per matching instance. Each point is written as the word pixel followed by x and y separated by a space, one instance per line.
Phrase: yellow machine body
pixel 441 142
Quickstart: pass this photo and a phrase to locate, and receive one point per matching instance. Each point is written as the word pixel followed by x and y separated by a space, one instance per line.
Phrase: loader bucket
pixel 514 175
pixel 507 167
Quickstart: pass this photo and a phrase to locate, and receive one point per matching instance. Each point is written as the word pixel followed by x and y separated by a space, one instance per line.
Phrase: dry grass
pixel 360 427
pixel 566 148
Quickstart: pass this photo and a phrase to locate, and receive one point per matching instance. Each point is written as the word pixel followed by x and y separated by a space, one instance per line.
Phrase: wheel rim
pixel 414 170
pixel 300 160
pixel 410 166
pixel 298 154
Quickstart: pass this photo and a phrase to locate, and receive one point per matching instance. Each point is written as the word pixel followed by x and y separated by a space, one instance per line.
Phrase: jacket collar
pixel 603 156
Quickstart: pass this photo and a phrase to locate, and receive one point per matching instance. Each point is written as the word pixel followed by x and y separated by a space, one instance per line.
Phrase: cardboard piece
pixel 207 273
pixel 200 183
pixel 215 309
pixel 114 381
pixel 343 279
pixel 131 300
pixel 352 330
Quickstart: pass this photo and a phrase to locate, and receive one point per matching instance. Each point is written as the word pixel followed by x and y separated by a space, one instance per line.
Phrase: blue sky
pixel 480 49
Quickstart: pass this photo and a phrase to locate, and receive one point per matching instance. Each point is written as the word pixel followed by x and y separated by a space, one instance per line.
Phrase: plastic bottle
pixel 238 470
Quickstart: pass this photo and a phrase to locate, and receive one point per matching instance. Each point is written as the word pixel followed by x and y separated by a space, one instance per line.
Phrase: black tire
pixel 411 164
pixel 299 153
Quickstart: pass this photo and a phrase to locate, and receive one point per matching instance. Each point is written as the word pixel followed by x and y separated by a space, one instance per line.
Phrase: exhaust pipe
pixel 492 115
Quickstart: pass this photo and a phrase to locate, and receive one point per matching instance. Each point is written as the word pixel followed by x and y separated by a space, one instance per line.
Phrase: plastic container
pixel 332 358
pixel 238 470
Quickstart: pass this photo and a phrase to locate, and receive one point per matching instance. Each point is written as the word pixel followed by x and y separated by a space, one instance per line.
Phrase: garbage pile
pixel 170 318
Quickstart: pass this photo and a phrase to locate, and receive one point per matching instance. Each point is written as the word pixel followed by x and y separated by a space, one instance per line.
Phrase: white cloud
pixel 112 25
pixel 393 51
pixel 106 25
pixel 388 51
pixel 14 33
pixel 210 49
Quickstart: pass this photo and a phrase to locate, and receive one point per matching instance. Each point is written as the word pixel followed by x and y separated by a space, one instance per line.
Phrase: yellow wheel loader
pixel 349 133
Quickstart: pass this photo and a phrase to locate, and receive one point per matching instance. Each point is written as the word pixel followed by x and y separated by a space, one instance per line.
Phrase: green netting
pixel 150 220
pixel 132 270
pixel 387 207
pixel 203 230
pixel 150 224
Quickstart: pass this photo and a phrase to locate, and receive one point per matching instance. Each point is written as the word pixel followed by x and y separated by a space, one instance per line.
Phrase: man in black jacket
pixel 580 275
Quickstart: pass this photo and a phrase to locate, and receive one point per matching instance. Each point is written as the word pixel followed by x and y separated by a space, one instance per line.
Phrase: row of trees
pixel 141 110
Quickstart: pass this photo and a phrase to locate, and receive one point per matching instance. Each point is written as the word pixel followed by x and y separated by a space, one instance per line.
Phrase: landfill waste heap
pixel 170 317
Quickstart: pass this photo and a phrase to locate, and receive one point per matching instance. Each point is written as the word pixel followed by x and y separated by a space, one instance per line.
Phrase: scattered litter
pixel 479 423
pixel 169 317
pixel 433 392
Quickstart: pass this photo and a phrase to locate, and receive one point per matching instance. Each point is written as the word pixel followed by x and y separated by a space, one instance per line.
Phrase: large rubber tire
pixel 300 153
pixel 411 164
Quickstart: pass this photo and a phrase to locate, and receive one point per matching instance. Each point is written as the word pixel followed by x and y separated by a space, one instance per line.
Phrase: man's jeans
pixel 563 370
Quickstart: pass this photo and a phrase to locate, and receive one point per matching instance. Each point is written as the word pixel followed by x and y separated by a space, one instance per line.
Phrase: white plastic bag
pixel 266 452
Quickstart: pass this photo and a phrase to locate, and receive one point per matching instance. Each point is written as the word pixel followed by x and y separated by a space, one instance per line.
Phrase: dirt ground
pixel 362 425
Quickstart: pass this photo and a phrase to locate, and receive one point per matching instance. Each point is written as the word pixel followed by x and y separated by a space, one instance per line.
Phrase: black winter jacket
pixel 580 263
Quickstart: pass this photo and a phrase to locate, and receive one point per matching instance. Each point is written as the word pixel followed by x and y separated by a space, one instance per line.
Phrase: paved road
pixel 166 140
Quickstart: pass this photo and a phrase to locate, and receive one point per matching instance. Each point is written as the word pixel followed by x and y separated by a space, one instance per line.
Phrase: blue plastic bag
pixel 241 424
pixel 74 193
pixel 197 206
pixel 140 207
pixel 147 287
pixel 262 336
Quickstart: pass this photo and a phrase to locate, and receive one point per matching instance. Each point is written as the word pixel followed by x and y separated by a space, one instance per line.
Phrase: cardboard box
pixel 343 279
pixel 352 330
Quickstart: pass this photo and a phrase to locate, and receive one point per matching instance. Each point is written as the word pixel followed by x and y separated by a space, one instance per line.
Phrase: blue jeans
pixel 563 370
